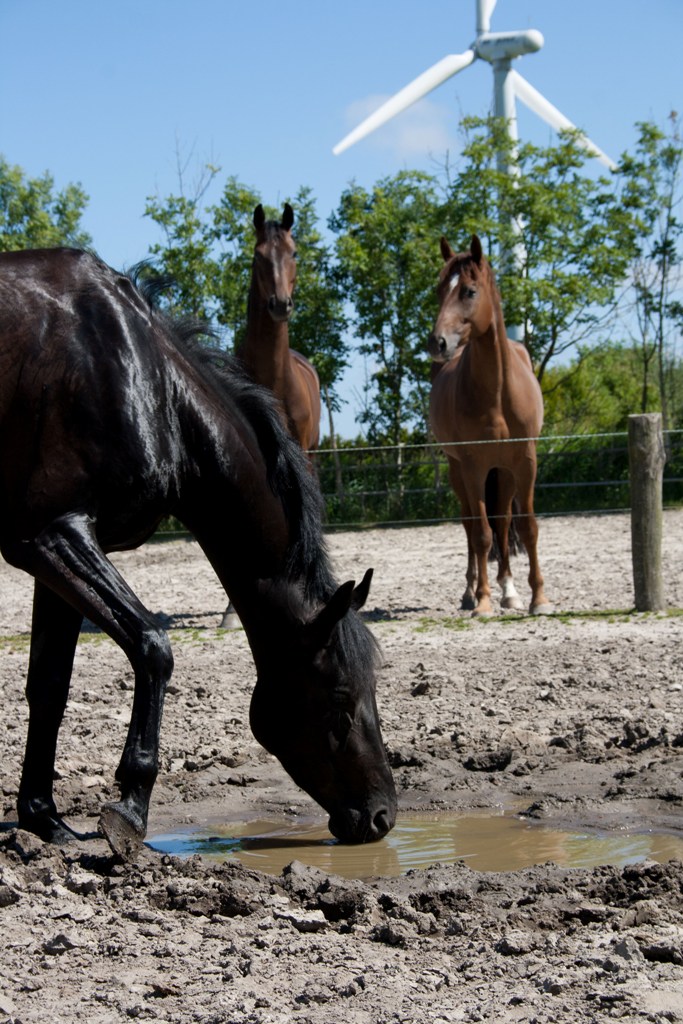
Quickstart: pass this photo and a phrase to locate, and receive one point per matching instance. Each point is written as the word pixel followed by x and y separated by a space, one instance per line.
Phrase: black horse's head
pixel 314 708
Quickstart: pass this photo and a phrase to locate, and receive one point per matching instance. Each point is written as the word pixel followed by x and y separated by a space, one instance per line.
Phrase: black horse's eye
pixel 470 293
pixel 341 723
pixel 340 715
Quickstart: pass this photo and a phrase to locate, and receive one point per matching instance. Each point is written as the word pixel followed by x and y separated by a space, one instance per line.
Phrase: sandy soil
pixel 573 719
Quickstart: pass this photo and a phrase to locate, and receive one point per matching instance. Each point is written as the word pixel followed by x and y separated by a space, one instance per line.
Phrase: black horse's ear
pixel 319 629
pixel 476 250
pixel 259 217
pixel 360 594
pixel 287 217
pixel 446 250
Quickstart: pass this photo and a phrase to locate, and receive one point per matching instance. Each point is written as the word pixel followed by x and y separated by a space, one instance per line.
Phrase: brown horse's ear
pixel 259 217
pixel 287 217
pixel 360 594
pixel 446 250
pixel 476 250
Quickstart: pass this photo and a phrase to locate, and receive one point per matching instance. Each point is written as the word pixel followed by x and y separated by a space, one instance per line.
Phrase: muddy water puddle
pixel 483 842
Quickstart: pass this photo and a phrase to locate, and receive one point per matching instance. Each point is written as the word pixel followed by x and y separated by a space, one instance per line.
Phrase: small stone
pixel 8 896
pixel 59 944
pixel 304 920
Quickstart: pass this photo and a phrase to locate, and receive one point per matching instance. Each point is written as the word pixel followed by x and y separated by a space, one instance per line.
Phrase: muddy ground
pixel 573 719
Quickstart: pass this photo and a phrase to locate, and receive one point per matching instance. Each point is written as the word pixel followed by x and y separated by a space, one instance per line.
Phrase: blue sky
pixel 108 94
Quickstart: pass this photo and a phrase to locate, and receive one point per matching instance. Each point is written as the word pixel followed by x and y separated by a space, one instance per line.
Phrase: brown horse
pixel 265 351
pixel 111 418
pixel 484 390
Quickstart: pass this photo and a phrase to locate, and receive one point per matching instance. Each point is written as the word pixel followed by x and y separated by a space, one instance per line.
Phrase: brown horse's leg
pixel 468 601
pixel 67 558
pixel 481 537
pixel 505 490
pixel 54 633
pixel 528 531
pixel 231 619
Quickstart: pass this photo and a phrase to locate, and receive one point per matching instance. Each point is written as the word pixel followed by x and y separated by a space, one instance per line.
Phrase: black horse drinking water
pixel 111 418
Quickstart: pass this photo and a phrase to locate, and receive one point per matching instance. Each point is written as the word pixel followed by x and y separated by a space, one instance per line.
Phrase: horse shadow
pixel 395 614
pixel 177 620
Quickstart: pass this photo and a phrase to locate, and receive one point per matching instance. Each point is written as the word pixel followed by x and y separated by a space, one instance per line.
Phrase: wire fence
pixel 408 483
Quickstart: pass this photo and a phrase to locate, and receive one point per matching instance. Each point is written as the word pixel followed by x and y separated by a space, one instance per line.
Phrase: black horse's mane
pixel 288 472
pixel 287 469
pixel 285 466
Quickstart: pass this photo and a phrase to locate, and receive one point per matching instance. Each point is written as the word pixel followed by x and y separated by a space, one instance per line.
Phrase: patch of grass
pixel 198 634
pixel 20 643
pixel 610 615
pixel 568 618
pixel 448 622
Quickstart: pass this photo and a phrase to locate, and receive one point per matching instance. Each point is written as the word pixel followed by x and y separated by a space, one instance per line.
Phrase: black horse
pixel 112 417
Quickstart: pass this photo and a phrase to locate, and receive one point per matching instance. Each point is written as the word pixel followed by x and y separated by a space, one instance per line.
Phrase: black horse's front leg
pixel 124 823
pixel 54 633
pixel 67 558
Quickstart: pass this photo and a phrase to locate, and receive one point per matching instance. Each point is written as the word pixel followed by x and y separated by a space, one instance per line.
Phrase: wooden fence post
pixel 646 459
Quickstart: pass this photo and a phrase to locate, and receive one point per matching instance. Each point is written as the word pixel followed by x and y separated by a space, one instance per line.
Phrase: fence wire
pixel 407 484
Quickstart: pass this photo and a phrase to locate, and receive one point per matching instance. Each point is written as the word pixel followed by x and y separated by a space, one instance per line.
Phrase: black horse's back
pixel 76 348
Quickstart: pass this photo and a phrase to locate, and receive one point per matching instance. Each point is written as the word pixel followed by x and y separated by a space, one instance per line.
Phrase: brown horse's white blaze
pixel 484 389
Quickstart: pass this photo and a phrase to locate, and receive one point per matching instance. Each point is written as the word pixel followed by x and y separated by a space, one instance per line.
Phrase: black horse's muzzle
pixel 366 826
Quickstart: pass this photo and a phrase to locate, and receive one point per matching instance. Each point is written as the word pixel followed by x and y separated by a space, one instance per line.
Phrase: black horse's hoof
pixel 124 834
pixel 50 828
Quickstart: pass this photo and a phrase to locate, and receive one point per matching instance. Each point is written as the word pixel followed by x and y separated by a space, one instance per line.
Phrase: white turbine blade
pixel 484 11
pixel 533 99
pixel 418 88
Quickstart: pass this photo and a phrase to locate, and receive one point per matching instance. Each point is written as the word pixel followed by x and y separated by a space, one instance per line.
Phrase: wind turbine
pixel 499 49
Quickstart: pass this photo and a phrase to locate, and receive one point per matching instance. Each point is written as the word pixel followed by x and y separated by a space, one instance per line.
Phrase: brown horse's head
pixel 466 308
pixel 314 708
pixel 274 269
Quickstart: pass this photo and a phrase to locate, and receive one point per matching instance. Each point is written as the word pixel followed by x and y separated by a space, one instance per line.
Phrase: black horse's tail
pixel 491 497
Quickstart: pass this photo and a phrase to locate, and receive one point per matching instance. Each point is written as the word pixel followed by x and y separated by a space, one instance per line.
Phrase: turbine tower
pixel 499 49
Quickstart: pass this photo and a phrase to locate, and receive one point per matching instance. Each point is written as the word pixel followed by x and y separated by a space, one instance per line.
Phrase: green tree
pixel 207 254
pixel 33 215
pixel 652 189
pixel 388 260
pixel 184 259
pixel 575 242
pixel 230 228
pixel 595 393
pixel 319 325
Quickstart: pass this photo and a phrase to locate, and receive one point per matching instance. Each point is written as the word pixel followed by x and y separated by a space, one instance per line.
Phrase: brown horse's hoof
pixel 542 609
pixel 123 835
